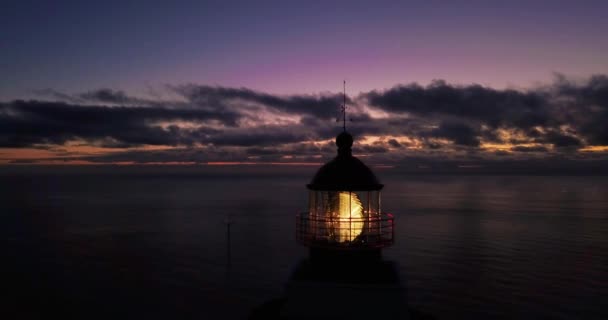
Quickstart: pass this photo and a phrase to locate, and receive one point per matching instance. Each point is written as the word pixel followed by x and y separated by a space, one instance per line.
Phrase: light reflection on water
pixel 479 246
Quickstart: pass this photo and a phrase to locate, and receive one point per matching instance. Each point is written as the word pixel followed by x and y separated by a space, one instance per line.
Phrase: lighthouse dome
pixel 345 172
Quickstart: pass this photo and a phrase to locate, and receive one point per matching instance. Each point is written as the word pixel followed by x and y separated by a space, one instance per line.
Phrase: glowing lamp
pixel 347 216
pixel 344 210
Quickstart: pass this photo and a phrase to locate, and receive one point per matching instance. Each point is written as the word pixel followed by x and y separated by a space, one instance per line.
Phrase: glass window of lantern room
pixel 379 199
pixel 312 205
pixel 324 205
pixel 370 201
pixel 315 203
pixel 376 205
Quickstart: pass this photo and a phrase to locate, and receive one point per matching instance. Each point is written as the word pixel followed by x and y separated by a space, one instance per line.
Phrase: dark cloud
pixel 493 107
pixel 104 96
pixel 372 149
pixel 318 106
pixel 394 143
pixel 58 95
pixel 457 132
pixel 529 149
pixel 110 96
pixel 571 114
pixel 560 140
pixel 588 106
pixel 260 136
pixel 24 123
pixel 433 145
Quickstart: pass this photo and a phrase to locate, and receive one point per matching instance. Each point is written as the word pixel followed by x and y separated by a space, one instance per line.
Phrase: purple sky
pixel 296 47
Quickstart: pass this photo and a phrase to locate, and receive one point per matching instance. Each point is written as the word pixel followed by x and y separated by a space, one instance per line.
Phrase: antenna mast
pixel 344 109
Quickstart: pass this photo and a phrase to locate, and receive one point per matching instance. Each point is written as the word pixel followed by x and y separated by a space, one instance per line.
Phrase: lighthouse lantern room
pixel 344 206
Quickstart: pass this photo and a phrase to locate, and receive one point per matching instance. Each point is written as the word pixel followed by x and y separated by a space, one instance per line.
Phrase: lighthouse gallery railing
pixel 377 231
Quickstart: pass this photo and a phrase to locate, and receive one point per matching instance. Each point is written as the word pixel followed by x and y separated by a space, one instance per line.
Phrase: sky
pixel 261 81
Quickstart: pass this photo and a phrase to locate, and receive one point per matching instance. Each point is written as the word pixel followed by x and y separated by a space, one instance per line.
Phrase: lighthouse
pixel 345 229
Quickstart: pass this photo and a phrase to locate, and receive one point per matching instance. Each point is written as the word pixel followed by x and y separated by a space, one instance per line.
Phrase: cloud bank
pixel 565 119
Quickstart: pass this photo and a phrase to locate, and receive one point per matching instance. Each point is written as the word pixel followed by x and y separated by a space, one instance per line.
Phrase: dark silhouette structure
pixel 345 276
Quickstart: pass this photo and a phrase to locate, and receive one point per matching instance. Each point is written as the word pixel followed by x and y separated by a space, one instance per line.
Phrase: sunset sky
pixel 247 82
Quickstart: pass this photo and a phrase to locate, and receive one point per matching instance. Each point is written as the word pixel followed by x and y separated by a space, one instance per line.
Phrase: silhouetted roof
pixel 345 172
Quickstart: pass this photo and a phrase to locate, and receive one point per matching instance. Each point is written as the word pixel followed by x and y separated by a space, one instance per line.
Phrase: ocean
pixel 151 241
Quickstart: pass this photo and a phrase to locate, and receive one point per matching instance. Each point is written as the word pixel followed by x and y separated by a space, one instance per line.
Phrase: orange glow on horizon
pixel 508 146
pixel 594 149
pixel 77 152
pixel 250 163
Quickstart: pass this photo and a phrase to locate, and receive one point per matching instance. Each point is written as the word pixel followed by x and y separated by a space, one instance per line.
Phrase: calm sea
pixel 114 242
